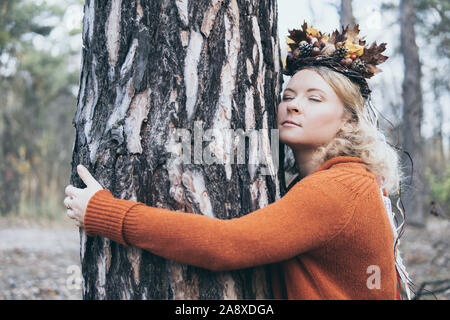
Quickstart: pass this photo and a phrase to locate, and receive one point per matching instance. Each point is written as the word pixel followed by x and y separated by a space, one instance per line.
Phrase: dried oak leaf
pixel 336 37
pixel 353 33
pixel 304 26
pixel 372 70
pixel 372 55
pixel 296 36
pixel 313 32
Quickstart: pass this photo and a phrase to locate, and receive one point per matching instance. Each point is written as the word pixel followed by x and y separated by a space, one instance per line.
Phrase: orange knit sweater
pixel 326 238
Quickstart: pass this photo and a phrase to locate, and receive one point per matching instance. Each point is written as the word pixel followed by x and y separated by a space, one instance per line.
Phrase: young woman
pixel 329 236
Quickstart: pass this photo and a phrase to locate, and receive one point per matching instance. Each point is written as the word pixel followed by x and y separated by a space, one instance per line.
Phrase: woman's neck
pixel 305 161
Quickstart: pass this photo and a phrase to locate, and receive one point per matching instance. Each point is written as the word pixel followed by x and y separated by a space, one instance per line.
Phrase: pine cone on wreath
pixel 305 49
pixel 340 53
pixel 358 66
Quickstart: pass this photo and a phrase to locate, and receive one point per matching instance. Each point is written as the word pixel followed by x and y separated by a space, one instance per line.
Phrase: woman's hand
pixel 77 199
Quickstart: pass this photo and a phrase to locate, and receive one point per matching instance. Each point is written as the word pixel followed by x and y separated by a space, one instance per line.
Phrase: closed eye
pixel 289 98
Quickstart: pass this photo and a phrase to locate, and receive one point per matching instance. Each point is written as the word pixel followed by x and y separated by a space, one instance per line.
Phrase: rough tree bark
pixel 414 193
pixel 149 67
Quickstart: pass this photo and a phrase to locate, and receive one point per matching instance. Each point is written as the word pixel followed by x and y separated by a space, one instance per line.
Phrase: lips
pixel 289 122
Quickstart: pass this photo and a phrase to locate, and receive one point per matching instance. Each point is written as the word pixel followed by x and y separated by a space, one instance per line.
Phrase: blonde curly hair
pixel 360 137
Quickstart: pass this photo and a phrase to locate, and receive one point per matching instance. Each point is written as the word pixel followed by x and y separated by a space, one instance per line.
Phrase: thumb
pixel 85 175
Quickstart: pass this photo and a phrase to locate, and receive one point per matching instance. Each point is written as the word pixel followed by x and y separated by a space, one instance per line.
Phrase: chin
pixel 290 137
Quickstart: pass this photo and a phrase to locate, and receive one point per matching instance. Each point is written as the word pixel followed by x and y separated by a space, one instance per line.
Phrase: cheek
pixel 325 122
pixel 280 112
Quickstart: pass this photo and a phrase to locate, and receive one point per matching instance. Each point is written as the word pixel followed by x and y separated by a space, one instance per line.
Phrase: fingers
pixel 67 201
pixel 72 191
pixel 70 214
pixel 85 175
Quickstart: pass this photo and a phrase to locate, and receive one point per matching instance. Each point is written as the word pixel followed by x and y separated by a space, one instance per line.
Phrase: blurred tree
pixel 415 193
pixel 37 91
pixel 432 30
pixel 17 18
pixel 440 187
pixel 433 20
pixel 346 13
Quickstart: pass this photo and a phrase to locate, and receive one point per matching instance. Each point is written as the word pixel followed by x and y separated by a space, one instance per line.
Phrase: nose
pixel 293 107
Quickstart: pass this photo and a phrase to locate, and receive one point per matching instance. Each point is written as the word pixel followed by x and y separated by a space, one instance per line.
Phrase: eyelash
pixel 287 98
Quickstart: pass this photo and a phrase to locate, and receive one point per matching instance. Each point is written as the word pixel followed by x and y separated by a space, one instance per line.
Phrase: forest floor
pixel 426 254
pixel 41 260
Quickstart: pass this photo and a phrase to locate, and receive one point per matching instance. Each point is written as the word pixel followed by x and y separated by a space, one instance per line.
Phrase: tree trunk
pixel 414 193
pixel 434 146
pixel 439 140
pixel 346 13
pixel 148 68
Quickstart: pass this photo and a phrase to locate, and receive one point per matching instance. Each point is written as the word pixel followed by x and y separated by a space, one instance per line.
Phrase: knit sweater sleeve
pixel 310 214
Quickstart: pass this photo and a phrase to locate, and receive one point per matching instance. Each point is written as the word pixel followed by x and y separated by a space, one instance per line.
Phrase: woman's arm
pixel 311 213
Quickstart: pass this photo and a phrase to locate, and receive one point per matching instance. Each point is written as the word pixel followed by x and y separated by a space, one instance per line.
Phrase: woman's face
pixel 313 107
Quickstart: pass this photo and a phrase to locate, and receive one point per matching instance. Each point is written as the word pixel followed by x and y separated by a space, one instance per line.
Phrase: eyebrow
pixel 310 89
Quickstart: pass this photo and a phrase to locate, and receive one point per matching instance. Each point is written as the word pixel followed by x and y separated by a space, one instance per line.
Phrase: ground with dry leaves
pixel 41 260
pixel 426 253
pixel 38 261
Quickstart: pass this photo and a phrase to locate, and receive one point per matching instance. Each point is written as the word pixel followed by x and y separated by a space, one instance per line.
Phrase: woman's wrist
pixel 105 216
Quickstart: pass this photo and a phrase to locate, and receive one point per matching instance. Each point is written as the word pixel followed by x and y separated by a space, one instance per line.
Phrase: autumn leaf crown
pixel 344 52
